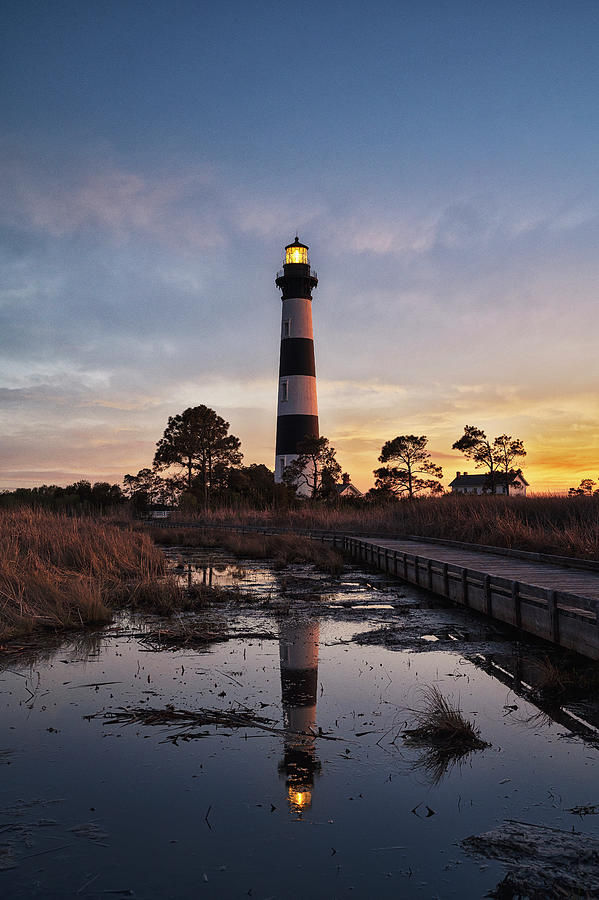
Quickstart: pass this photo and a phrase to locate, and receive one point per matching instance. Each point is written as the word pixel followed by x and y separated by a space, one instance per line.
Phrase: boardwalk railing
pixel 564 618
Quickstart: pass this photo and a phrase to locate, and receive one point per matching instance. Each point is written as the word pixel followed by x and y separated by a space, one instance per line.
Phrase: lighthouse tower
pixel 297 410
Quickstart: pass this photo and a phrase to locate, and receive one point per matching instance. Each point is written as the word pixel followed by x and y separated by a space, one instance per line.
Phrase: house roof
pixel 483 480
pixel 344 486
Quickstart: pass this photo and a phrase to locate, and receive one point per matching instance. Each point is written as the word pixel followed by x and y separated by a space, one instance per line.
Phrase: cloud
pixel 179 210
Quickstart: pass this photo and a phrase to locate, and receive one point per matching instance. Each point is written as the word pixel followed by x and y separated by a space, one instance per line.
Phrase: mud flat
pixel 272 760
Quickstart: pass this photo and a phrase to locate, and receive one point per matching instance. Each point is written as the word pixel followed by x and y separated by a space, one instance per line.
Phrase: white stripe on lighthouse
pixel 297 396
pixel 297 313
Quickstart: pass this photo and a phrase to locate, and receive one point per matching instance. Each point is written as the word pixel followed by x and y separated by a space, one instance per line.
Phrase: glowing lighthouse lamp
pixel 297 408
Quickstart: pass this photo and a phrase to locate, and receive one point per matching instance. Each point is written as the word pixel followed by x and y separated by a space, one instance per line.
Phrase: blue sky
pixel 439 158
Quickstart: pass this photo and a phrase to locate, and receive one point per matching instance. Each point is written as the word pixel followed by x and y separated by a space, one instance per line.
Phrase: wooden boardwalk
pixel 549 597
pixel 556 602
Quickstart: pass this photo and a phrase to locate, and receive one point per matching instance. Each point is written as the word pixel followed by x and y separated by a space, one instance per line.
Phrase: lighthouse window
pixel 284 391
pixel 287 328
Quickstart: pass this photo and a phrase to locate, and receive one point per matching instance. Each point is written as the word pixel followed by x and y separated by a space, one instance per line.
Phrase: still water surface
pixel 90 809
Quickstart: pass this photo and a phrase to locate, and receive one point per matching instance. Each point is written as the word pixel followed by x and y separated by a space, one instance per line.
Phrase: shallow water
pixel 88 807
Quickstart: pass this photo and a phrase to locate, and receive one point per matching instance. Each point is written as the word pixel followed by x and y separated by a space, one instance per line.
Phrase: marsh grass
pixel 186 633
pixel 59 572
pixel 565 681
pixel 564 526
pixel 284 549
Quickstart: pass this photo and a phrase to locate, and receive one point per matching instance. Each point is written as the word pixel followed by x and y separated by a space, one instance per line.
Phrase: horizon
pixel 442 169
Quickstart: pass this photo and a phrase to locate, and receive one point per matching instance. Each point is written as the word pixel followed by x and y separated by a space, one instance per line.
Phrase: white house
pixel 347 489
pixel 514 485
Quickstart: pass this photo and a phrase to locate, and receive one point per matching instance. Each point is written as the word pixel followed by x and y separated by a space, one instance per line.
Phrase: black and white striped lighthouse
pixel 297 409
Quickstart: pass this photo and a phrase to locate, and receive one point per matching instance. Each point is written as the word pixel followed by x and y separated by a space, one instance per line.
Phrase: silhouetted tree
pixel 253 483
pixel 409 450
pixel 315 468
pixel 496 457
pixel 148 488
pixel 197 442
pixel 586 488
pixel 506 450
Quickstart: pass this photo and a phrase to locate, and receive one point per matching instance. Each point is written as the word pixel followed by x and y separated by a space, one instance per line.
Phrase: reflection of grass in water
pixel 442 733
pixel 283 548
pixel 435 762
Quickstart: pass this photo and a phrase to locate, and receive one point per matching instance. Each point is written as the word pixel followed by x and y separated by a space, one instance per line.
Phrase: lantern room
pixel 296 253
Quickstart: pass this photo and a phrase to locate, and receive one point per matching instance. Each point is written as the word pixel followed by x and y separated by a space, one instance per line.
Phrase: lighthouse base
pixel 281 462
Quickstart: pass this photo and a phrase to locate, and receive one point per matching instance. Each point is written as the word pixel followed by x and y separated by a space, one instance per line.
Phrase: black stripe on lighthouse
pixel 293 429
pixel 297 357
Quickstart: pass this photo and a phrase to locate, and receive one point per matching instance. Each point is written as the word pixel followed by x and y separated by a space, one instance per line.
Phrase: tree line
pixel 198 463
pixel 204 463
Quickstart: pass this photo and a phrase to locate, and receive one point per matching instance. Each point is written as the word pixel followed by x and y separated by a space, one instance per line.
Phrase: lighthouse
pixel 297 410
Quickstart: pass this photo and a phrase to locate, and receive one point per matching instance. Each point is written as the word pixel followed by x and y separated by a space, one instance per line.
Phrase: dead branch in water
pixel 187 719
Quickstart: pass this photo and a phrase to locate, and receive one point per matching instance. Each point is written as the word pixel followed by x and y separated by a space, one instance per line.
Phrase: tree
pixel 197 442
pixel 148 487
pixel 253 483
pixel 584 489
pixel 414 460
pixel 315 468
pixel 496 457
pixel 506 450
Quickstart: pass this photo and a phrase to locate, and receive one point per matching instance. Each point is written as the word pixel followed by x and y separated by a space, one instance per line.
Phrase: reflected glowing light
pixel 296 254
pixel 299 799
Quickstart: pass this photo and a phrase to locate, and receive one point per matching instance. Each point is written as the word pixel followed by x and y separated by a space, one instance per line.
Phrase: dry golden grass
pixel 61 572
pixel 283 548
pixel 566 680
pixel 564 526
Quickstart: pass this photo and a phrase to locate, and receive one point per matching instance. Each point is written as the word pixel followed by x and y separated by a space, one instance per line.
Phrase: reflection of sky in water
pixel 149 800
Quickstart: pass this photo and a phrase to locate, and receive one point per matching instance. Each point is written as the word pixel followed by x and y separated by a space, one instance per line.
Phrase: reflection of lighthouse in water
pixel 298 644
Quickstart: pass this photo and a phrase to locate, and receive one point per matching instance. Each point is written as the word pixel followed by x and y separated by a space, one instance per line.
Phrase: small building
pixel 513 485
pixel 346 488
pixel 159 511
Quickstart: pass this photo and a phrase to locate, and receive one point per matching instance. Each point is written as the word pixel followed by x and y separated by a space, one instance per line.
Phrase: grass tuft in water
pixel 443 733
pixel 442 722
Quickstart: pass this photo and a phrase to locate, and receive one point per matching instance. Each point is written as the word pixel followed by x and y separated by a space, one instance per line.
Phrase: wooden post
pixel 517 606
pixel 553 616
pixel 405 566
pixel 488 595
pixel 446 579
pixel 429 566
pixel 395 562
pixel 416 572
pixel 465 600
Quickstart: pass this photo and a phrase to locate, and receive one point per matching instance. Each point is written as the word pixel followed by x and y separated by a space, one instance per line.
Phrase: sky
pixel 439 158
